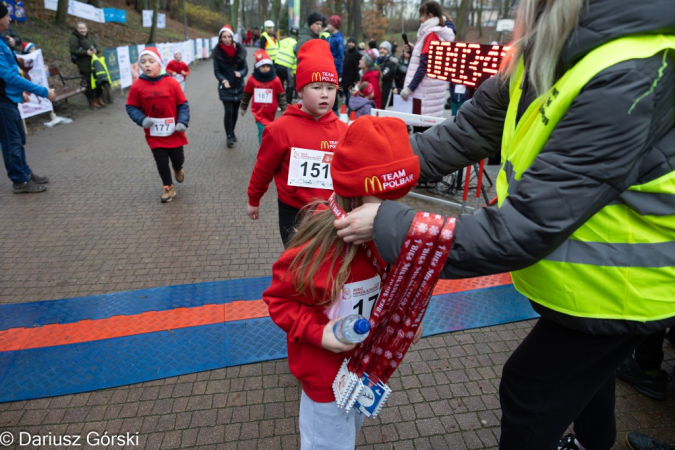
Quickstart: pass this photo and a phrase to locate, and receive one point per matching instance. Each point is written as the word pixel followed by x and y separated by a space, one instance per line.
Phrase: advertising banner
pixel 124 63
pixel 115 15
pixel 34 69
pixel 113 67
pixel 200 43
pixel 79 9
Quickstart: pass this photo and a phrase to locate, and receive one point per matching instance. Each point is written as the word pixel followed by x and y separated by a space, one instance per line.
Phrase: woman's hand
pixel 329 341
pixel 357 227
pixel 226 84
pixel 418 335
pixel 252 211
pixel 237 74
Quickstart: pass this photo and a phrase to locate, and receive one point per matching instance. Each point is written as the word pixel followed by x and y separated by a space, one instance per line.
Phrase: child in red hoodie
pixel 320 278
pixel 296 148
pixel 265 88
pixel 157 103
pixel 178 69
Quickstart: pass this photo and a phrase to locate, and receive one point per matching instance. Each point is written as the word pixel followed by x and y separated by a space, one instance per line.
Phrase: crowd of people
pixel 585 212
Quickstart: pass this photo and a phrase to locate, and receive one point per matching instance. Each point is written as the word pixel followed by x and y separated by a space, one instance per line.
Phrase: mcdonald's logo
pixel 325 145
pixel 316 76
pixel 371 182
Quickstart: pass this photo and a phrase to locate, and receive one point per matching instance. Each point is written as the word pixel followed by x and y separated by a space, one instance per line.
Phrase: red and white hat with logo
pixel 152 51
pixel 374 157
pixel 315 63
pixel 262 58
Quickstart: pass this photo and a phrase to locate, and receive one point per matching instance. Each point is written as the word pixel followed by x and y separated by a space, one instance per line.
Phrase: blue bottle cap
pixel 362 326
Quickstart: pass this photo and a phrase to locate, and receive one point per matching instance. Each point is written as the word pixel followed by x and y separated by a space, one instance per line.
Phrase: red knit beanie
pixel 374 157
pixel 315 63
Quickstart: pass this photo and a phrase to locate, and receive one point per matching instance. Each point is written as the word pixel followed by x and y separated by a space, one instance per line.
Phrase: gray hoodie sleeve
pixel 622 118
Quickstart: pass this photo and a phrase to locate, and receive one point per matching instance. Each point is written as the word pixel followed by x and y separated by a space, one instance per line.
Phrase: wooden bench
pixel 64 91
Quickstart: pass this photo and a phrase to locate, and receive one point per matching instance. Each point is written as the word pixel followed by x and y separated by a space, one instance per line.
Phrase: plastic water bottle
pixel 351 329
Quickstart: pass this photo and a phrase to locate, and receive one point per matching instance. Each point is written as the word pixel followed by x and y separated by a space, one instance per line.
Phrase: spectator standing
pixel 12 134
pixel 350 68
pixel 371 74
pixel 312 30
pixel 287 62
pixel 402 70
pixel 388 65
pixel 268 41
pixel 230 68
pixel 337 49
pixel 82 47
pixel 372 49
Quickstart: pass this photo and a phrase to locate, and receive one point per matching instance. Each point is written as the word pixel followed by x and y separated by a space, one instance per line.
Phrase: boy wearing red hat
pixel 156 102
pixel 266 91
pixel 373 162
pixel 296 149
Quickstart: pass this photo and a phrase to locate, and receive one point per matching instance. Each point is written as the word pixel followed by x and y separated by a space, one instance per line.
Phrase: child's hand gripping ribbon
pixel 360 382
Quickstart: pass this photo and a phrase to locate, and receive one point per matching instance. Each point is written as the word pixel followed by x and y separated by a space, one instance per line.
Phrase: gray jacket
pixel 594 154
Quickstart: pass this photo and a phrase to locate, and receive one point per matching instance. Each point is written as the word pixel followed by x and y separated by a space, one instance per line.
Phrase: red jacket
pixel 373 77
pixel 158 98
pixel 264 112
pixel 303 320
pixel 294 129
pixel 176 67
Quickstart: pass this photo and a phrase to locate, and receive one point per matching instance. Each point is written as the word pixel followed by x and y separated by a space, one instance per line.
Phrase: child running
pixel 320 278
pixel 157 103
pixel 178 69
pixel 265 88
pixel 296 148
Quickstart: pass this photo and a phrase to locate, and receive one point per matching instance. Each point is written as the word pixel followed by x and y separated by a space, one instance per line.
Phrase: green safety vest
pixel 325 35
pixel 614 266
pixel 99 70
pixel 271 45
pixel 286 57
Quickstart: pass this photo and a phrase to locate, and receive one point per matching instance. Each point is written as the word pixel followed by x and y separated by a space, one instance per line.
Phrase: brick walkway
pixel 101 228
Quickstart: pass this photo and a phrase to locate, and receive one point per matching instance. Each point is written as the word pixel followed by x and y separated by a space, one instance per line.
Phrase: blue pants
pixel 12 140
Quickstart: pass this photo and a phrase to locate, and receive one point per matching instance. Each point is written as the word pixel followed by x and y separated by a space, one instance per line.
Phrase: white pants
pixel 324 426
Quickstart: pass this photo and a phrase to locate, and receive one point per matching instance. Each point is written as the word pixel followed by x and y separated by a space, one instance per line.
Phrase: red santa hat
pixel 226 28
pixel 374 157
pixel 152 51
pixel 315 63
pixel 262 58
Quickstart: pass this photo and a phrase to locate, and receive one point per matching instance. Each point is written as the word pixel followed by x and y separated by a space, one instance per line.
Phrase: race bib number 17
pixel 310 169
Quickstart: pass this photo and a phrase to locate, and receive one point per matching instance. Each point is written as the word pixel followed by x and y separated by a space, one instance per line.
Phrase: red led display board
pixel 462 63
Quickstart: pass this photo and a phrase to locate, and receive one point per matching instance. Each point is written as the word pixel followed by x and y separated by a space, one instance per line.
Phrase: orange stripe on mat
pixel 153 321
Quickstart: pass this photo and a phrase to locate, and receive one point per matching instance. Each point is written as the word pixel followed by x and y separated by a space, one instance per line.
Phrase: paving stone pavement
pixel 101 228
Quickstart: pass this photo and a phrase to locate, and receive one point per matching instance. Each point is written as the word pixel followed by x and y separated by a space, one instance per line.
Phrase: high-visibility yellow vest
pixel 325 35
pixel 286 57
pixel 271 45
pixel 620 263
pixel 98 70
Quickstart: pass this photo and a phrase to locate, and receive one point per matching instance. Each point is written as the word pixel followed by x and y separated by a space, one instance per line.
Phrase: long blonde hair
pixel 317 231
pixel 542 35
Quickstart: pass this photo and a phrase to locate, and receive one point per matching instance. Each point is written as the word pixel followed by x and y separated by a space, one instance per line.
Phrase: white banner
pixel 214 42
pixel 147 18
pixel 35 73
pixel 125 66
pixel 200 43
pixel 165 52
pixel 79 9
pixel 161 21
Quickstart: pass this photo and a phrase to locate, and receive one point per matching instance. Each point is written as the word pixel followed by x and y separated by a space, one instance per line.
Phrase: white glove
pixel 405 93
pixel 147 122
pixel 181 127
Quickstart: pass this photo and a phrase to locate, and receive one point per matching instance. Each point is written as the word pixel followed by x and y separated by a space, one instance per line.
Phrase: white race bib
pixel 262 95
pixel 460 89
pixel 310 169
pixel 162 127
pixel 356 298
pixel 179 77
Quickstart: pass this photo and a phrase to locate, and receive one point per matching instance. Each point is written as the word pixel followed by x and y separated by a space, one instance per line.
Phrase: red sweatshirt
pixel 373 77
pixel 177 67
pixel 303 320
pixel 158 99
pixel 294 129
pixel 262 111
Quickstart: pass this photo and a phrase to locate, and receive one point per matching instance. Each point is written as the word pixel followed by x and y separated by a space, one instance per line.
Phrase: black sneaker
pixel 568 442
pixel 230 142
pixel 639 441
pixel 29 187
pixel 654 387
pixel 234 138
pixel 38 179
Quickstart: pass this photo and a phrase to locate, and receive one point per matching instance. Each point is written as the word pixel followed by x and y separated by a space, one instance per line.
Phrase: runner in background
pixel 157 103
pixel 178 69
pixel 296 148
pixel 266 91
pixel 309 293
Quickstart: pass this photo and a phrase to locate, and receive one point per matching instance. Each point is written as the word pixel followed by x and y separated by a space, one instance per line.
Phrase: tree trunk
pixel 356 11
pixel 243 14
pixel 306 7
pixel 480 18
pixel 61 12
pixel 153 29
pixel 462 22
pixel 234 16
pixel 276 10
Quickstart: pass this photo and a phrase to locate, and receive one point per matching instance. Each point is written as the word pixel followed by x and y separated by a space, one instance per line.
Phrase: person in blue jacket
pixel 12 136
pixel 337 48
